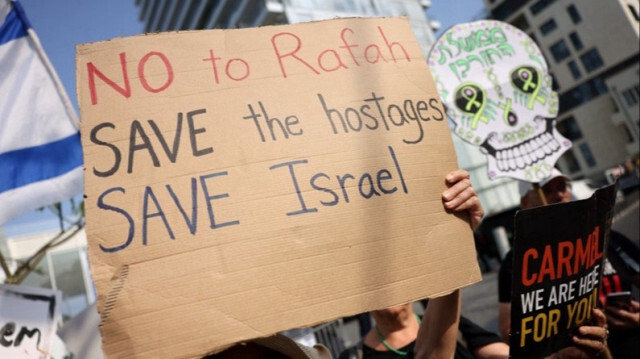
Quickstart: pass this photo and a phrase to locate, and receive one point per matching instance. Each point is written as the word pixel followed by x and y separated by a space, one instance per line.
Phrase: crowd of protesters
pixel 442 332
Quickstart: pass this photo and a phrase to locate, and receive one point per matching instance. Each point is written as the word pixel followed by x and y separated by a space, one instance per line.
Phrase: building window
pixel 540 5
pixel 591 60
pixel 582 93
pixel 631 95
pixel 575 40
pixel 630 138
pixel 570 160
pixel 575 71
pixel 586 153
pixel 507 8
pixel 548 26
pixel 64 271
pixel 521 22
pixel 574 14
pixel 599 85
pixel 569 129
pixel 634 12
pixel 560 51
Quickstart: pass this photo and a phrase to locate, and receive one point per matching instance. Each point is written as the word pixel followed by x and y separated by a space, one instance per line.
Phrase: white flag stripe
pixel 18 110
pixel 39 194
pixel 40 153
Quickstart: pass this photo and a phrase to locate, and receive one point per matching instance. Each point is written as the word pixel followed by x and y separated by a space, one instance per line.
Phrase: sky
pixel 62 24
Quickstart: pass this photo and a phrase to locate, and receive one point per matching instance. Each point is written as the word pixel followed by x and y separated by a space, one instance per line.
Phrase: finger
pixel 455 189
pixel 622 314
pixel 599 318
pixel 592 332
pixel 456 176
pixel 591 338
pixel 454 199
pixel 628 316
pixel 613 313
pixel 614 322
pixel 473 206
pixel 589 345
pixel 635 306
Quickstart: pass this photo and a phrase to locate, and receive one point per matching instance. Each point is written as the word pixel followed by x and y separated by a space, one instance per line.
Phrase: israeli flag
pixel 40 152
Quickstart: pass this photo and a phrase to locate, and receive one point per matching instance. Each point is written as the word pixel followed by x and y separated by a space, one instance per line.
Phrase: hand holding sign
pixel 462 197
pixel 558 258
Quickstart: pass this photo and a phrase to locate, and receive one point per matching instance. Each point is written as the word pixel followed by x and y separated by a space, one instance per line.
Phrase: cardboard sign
pixel 244 182
pixel 495 83
pixel 558 259
pixel 28 321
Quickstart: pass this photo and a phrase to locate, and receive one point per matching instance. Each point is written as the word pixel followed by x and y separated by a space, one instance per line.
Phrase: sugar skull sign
pixel 494 81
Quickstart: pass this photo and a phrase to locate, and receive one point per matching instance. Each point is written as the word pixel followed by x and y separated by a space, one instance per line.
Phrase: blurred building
pixel 166 15
pixel 64 267
pixel 592 49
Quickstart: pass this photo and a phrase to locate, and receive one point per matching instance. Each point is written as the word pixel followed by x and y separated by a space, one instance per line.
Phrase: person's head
pixel 556 189
pixel 273 347
pixel 393 315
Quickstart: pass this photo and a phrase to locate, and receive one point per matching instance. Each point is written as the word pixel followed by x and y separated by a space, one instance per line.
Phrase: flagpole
pixel 73 116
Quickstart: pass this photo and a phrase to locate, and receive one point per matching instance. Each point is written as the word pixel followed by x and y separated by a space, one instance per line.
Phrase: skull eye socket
pixel 470 98
pixel 526 79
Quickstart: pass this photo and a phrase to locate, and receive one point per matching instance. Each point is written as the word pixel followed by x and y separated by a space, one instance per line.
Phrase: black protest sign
pixel 557 267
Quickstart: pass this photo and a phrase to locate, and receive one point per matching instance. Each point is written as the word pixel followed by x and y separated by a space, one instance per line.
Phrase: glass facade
pixel 591 60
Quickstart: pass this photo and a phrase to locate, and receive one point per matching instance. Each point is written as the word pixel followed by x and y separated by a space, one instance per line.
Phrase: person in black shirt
pixel 592 342
pixel 396 329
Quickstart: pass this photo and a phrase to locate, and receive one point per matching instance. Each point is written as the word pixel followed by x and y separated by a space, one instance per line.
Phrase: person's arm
pixel 439 329
pixel 504 320
pixel 496 350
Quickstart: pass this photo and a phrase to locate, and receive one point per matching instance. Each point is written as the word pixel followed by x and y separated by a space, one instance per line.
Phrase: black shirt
pixel 473 336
